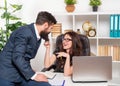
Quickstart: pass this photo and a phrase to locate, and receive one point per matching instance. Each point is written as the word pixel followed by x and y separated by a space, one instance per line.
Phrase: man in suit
pixel 22 46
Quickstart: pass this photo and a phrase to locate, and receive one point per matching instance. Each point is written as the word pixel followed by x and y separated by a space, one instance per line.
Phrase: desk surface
pixel 68 82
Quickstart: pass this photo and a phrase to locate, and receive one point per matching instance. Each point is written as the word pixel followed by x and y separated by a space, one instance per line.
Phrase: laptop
pixel 92 68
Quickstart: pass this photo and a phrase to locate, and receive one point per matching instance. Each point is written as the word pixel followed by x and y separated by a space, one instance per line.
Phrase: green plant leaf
pixel 70 2
pixel 1 46
pixel 5 15
pixel 1 7
pixel 16 7
pixel 14 18
pixel 14 26
pixel 95 2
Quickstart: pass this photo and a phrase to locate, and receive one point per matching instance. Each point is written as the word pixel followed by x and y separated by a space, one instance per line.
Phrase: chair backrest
pixel 85 44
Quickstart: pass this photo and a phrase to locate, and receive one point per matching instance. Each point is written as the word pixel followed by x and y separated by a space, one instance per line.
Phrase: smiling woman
pixel 70 45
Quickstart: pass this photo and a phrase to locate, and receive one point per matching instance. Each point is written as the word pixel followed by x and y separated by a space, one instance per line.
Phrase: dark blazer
pixel 15 57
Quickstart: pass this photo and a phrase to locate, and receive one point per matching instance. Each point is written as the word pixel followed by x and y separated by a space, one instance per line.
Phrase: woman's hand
pixel 60 54
pixel 47 44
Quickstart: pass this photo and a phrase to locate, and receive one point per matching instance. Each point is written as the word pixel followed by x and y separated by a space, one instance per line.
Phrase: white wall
pixel 32 7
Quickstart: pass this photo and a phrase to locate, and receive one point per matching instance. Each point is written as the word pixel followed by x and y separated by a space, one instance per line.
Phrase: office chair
pixel 85 45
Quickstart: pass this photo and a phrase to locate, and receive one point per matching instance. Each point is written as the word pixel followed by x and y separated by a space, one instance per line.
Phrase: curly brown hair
pixel 76 49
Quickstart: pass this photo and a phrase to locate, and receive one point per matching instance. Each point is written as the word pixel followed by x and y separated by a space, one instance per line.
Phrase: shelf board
pixel 92 38
pixel 82 13
pixel 116 62
pixel 108 37
pixel 89 13
pixel 109 12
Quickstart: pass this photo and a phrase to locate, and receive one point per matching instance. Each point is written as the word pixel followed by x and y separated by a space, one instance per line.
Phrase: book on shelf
pixel 56 30
pixel 92 54
pixel 115 29
pixel 115 25
pixel 111 25
pixel 110 50
pixel 55 34
pixel 119 26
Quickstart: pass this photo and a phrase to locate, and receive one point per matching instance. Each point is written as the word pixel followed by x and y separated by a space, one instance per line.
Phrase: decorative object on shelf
pixel 12 22
pixel 56 30
pixel 70 7
pixel 78 31
pixel 95 4
pixel 86 26
pixel 89 29
pixel 91 32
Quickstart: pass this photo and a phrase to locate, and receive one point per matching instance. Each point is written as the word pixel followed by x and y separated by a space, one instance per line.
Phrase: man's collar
pixel 36 32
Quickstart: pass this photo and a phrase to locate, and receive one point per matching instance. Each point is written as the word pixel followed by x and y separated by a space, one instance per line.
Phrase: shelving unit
pixel 100 20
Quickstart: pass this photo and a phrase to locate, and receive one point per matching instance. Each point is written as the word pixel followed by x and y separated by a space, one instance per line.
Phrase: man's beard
pixel 44 35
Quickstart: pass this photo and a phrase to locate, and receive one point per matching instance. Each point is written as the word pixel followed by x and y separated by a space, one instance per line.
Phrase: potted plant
pixel 70 5
pixel 95 4
pixel 12 22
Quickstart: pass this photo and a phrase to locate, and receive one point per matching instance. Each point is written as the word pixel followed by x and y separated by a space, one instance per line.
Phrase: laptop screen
pixel 92 68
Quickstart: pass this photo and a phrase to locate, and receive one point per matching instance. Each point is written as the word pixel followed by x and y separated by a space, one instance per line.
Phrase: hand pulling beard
pixel 44 35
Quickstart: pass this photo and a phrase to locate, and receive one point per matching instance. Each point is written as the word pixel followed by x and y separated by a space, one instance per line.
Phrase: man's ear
pixel 46 25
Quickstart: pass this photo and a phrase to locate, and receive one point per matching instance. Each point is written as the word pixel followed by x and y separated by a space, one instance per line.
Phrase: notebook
pixel 48 74
pixel 92 68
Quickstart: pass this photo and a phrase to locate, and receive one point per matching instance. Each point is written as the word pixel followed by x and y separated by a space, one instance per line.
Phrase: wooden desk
pixel 68 82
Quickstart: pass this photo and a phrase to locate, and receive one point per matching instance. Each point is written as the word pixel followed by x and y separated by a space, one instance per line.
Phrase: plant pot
pixel 95 8
pixel 70 8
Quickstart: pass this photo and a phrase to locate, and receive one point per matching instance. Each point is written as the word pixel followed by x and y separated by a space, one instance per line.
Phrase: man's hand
pixel 41 77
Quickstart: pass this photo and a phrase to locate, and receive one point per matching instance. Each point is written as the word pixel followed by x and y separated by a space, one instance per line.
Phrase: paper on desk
pixel 56 82
pixel 48 74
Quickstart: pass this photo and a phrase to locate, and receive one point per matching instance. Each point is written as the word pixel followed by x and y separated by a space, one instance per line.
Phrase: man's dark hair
pixel 45 17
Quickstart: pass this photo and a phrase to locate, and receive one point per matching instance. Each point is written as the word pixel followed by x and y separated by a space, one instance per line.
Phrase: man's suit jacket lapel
pixel 31 26
pixel 37 42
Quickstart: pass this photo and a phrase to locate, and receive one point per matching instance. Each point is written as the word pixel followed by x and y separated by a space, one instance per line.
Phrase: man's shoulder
pixel 26 28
